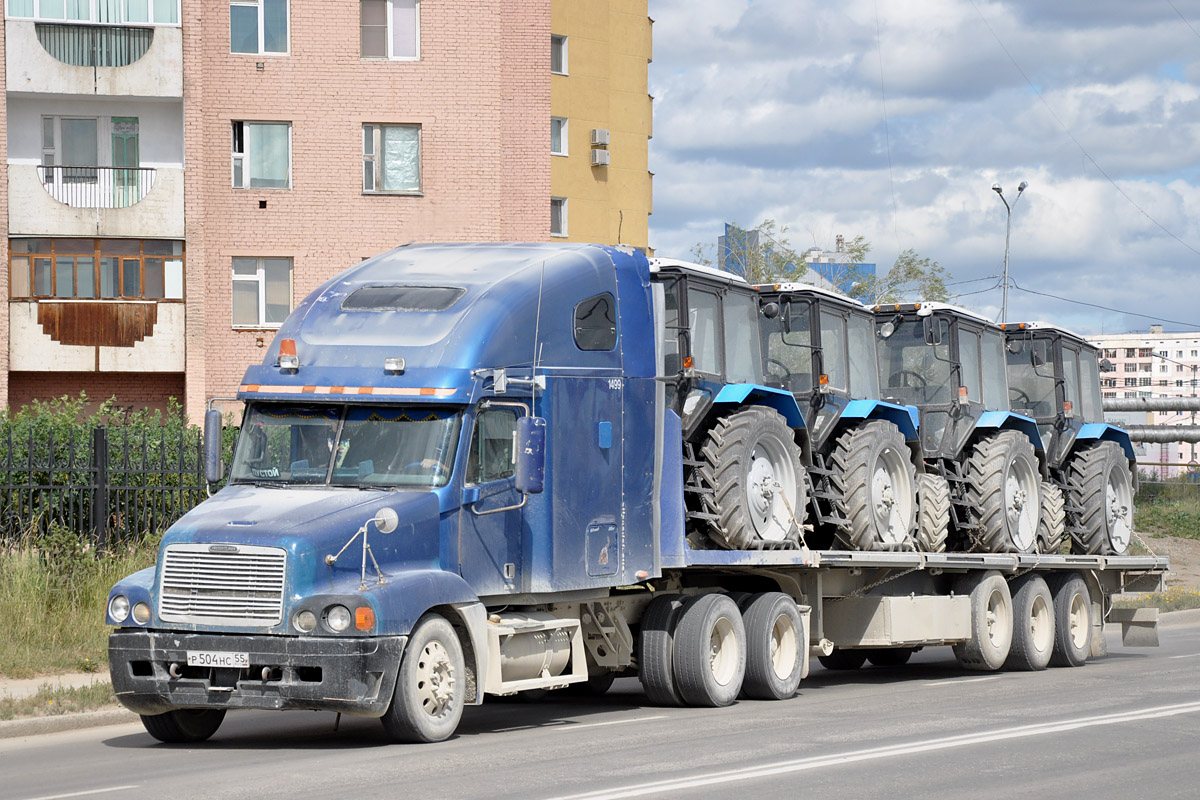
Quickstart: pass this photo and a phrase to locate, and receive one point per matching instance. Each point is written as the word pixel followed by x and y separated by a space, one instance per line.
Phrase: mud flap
pixel 1139 626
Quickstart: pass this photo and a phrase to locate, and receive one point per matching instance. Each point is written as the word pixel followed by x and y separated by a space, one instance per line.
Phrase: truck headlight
pixel 118 608
pixel 338 618
pixel 141 613
pixel 304 621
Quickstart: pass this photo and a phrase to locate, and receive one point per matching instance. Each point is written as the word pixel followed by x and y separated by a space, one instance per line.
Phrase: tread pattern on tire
pixel 987 466
pixel 759 616
pixel 1052 525
pixel 973 653
pixel 693 655
pixel 1087 477
pixel 933 513
pixel 1062 587
pixel 656 668
pixel 851 481
pixel 405 720
pixel 1023 654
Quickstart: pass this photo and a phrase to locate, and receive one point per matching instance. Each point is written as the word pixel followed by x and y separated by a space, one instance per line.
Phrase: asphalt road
pixel 1126 725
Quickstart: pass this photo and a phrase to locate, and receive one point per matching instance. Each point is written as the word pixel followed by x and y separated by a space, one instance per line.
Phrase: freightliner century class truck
pixel 464 470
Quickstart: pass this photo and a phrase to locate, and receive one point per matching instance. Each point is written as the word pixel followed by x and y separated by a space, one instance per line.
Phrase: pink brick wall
pixel 4 239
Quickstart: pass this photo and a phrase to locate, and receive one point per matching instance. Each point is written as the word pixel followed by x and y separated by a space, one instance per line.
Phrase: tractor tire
pixel 1033 624
pixel 1002 492
pixel 933 513
pixel 710 651
pixel 184 725
pixel 991 621
pixel 752 464
pixel 1098 481
pixel 1052 527
pixel 775 643
pixel 656 647
pixel 841 659
pixel 875 484
pixel 1072 620
pixel 431 689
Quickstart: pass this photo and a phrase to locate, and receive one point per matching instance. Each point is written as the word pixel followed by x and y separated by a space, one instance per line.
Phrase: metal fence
pixel 108 484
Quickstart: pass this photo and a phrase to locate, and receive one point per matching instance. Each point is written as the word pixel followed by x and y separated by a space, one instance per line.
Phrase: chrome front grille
pixel 222 584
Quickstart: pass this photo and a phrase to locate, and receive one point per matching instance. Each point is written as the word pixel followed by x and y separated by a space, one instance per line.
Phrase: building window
pixel 1143 381
pixel 258 26
pixel 558 136
pixel 558 55
pixel 262 155
pixel 390 29
pixel 558 216
pixel 1179 383
pixel 1145 368
pixel 1162 383
pixel 1110 394
pixel 1145 352
pixel 108 269
pixel 1161 354
pixel 1179 367
pixel 1131 367
pixel 100 12
pixel 1110 353
pixel 1195 353
pixel 1130 352
pixel 392 159
pixel 1131 381
pixel 1163 368
pixel 262 292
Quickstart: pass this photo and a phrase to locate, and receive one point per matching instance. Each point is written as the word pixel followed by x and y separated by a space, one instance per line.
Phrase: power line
pixel 1182 17
pixel 1103 308
pixel 974 280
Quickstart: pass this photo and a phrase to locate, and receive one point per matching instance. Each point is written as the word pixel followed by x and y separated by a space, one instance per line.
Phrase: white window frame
pixel 377 163
pixel 562 136
pixel 244 155
pixel 391 56
pixel 556 39
pixel 563 216
pixel 262 29
pixel 94 16
pixel 260 280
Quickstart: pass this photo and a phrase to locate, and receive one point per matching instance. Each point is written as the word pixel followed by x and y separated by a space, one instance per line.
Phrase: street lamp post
pixel 1007 231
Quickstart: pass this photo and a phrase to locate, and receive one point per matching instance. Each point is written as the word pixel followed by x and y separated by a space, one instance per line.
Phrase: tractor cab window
pixel 913 371
pixel 1070 357
pixel 833 348
pixel 864 371
pixel 671 361
pixel 1031 377
pixel 788 347
pixel 743 360
pixel 703 322
pixel 1089 387
pixel 968 360
pixel 995 377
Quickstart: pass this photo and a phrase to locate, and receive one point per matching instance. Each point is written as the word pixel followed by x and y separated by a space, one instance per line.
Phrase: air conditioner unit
pixel 600 137
pixel 599 158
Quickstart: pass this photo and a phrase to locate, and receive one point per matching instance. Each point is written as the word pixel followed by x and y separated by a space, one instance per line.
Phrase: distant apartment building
pixel 1155 364
pixel 179 173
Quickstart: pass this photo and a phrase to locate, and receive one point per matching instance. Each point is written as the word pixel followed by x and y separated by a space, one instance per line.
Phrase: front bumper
pixel 351 675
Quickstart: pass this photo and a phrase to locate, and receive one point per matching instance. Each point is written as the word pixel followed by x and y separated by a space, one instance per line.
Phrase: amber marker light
pixel 688 362
pixel 364 618
pixel 287 354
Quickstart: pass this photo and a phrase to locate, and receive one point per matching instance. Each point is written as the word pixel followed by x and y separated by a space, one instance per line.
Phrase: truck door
pixel 490 526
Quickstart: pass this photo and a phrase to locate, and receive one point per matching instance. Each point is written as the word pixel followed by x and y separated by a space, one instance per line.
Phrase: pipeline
pixel 1158 434
pixel 1152 404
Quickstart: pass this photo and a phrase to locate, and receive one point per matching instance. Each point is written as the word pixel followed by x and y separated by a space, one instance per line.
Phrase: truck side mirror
pixel 531 455
pixel 214 470
pixel 933 331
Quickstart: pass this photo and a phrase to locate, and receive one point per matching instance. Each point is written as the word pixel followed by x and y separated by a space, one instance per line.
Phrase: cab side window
pixel 493 445
pixel 596 323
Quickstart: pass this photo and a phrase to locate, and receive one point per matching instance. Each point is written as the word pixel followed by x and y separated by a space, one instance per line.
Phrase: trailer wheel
pixel 430 689
pixel 1072 620
pixel 1033 624
pixel 933 513
pixel 1002 492
pixel 991 621
pixel 875 485
pixel 184 725
pixel 752 465
pixel 710 651
pixel 656 646
pixel 1099 482
pixel 890 656
pixel 841 659
pixel 775 643
pixel 1052 527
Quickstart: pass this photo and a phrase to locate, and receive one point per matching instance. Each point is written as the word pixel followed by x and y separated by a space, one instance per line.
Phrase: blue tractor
pixel 1054 377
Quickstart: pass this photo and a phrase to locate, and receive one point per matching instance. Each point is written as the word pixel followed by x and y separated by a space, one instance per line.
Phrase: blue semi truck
pixel 460 473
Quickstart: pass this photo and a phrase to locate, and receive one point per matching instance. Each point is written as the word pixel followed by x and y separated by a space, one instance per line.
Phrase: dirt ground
pixel 1185 559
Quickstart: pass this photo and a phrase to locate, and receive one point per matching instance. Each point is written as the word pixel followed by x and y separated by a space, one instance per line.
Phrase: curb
pixel 33 726
pixel 1169 619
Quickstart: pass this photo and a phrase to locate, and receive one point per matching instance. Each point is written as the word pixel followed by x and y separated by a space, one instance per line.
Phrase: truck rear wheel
pixel 890 656
pixel 1033 624
pixel 430 689
pixel 1072 620
pixel 875 484
pixel 752 464
pixel 991 621
pixel 1099 482
pixel 710 651
pixel 184 725
pixel 933 513
pixel 1052 527
pixel 841 659
pixel 1002 492
pixel 656 647
pixel 775 643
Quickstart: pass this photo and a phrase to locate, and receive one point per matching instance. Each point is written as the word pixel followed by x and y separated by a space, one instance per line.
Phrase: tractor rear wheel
pixel 1098 481
pixel 1002 491
pixel 1052 527
pixel 875 483
pixel 933 513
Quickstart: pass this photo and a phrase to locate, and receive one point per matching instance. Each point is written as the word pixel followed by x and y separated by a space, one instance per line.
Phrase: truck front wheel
pixel 185 725
pixel 430 689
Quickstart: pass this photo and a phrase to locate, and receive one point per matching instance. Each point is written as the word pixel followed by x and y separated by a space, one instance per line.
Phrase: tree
pixel 761 254
pixel 911 278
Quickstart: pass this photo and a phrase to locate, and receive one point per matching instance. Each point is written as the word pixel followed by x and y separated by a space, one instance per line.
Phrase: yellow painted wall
pixel 608 51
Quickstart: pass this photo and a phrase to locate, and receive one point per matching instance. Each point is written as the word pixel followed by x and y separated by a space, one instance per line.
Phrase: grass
pixel 1176 598
pixel 53 700
pixel 52 597
pixel 1175 511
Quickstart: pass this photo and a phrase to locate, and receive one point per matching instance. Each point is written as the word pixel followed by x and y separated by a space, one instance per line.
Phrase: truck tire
pixel 775 643
pixel 875 486
pixel 991 621
pixel 1099 482
pixel 1002 492
pixel 656 646
pixel 1033 624
pixel 933 513
pixel 890 656
pixel 841 659
pixel 1072 620
pixel 752 464
pixel 710 651
pixel 431 687
pixel 1052 527
pixel 184 725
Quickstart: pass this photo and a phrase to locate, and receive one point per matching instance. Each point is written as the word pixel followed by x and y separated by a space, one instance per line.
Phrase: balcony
pixel 95 201
pixel 61 59
pixel 86 336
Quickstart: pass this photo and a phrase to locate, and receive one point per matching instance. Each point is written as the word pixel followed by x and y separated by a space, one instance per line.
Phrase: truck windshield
pixel 911 371
pixel 1031 378
pixel 368 446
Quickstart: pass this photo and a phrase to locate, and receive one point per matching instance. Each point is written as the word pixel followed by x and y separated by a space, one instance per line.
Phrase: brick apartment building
pixel 179 173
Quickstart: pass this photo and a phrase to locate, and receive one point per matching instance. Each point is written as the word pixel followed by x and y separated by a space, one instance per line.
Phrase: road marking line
pixel 815 762
pixel 85 793
pixel 1189 655
pixel 955 682
pixel 565 725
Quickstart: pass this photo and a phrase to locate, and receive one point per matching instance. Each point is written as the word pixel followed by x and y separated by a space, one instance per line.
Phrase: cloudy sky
pixel 893 118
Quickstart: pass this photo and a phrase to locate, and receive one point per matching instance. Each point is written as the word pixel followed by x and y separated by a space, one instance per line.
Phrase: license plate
pixel 205 658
